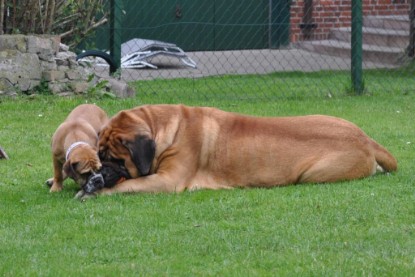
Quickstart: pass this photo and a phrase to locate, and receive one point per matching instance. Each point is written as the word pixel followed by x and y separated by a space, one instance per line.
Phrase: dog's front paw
pixel 49 182
pixel 79 194
pixel 82 195
pixel 56 187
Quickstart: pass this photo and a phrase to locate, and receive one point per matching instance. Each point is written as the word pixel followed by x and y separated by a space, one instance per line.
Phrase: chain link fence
pixel 251 49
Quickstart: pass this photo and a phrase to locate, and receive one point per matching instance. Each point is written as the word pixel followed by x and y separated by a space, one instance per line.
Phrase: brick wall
pixel 328 14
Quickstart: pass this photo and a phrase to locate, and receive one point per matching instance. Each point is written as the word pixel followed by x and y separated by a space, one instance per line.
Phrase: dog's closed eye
pixel 101 155
pixel 113 172
pixel 119 162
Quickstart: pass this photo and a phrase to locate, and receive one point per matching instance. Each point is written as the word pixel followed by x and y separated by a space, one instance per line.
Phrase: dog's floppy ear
pixel 69 169
pixel 142 151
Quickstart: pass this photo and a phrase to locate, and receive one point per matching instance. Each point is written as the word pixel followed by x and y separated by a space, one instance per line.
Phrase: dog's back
pixel 85 121
pixel 91 113
pixel 286 150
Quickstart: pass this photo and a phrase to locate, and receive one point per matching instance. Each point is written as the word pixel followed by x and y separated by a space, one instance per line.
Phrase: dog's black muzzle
pixel 95 182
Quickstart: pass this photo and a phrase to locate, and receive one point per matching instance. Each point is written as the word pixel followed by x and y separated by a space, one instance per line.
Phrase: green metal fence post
pixel 357 22
pixel 411 46
pixel 115 33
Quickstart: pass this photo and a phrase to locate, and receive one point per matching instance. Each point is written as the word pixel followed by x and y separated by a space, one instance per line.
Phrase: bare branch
pixel 101 22
pixel 73 19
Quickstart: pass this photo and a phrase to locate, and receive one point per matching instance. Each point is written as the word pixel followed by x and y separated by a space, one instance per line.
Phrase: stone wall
pixel 26 61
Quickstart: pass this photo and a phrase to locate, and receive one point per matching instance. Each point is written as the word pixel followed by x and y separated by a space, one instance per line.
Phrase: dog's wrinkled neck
pixel 73 146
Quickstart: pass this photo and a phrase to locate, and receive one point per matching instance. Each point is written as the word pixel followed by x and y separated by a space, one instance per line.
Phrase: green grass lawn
pixel 358 228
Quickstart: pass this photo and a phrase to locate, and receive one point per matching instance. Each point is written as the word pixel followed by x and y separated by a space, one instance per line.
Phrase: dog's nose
pixel 95 182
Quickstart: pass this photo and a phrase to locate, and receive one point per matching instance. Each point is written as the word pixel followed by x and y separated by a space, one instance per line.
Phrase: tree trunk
pixel 50 16
pixel 1 17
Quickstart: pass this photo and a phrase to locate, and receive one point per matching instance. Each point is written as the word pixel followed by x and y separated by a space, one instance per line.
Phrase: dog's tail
pixel 384 158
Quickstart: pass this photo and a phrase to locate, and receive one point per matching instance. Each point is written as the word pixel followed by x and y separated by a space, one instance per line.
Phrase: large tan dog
pixel 172 148
pixel 74 146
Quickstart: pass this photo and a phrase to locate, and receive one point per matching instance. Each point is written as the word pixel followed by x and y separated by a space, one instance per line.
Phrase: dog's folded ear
pixel 142 151
pixel 70 169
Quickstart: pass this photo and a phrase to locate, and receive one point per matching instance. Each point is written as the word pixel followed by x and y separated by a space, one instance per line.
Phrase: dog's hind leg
pixel 339 166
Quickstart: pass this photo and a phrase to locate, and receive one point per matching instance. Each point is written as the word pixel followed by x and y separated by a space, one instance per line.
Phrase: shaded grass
pixel 362 227
pixel 246 87
pixel 276 86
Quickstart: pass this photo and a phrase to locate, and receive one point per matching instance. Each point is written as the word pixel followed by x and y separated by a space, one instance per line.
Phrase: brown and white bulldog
pixel 74 146
pixel 172 148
